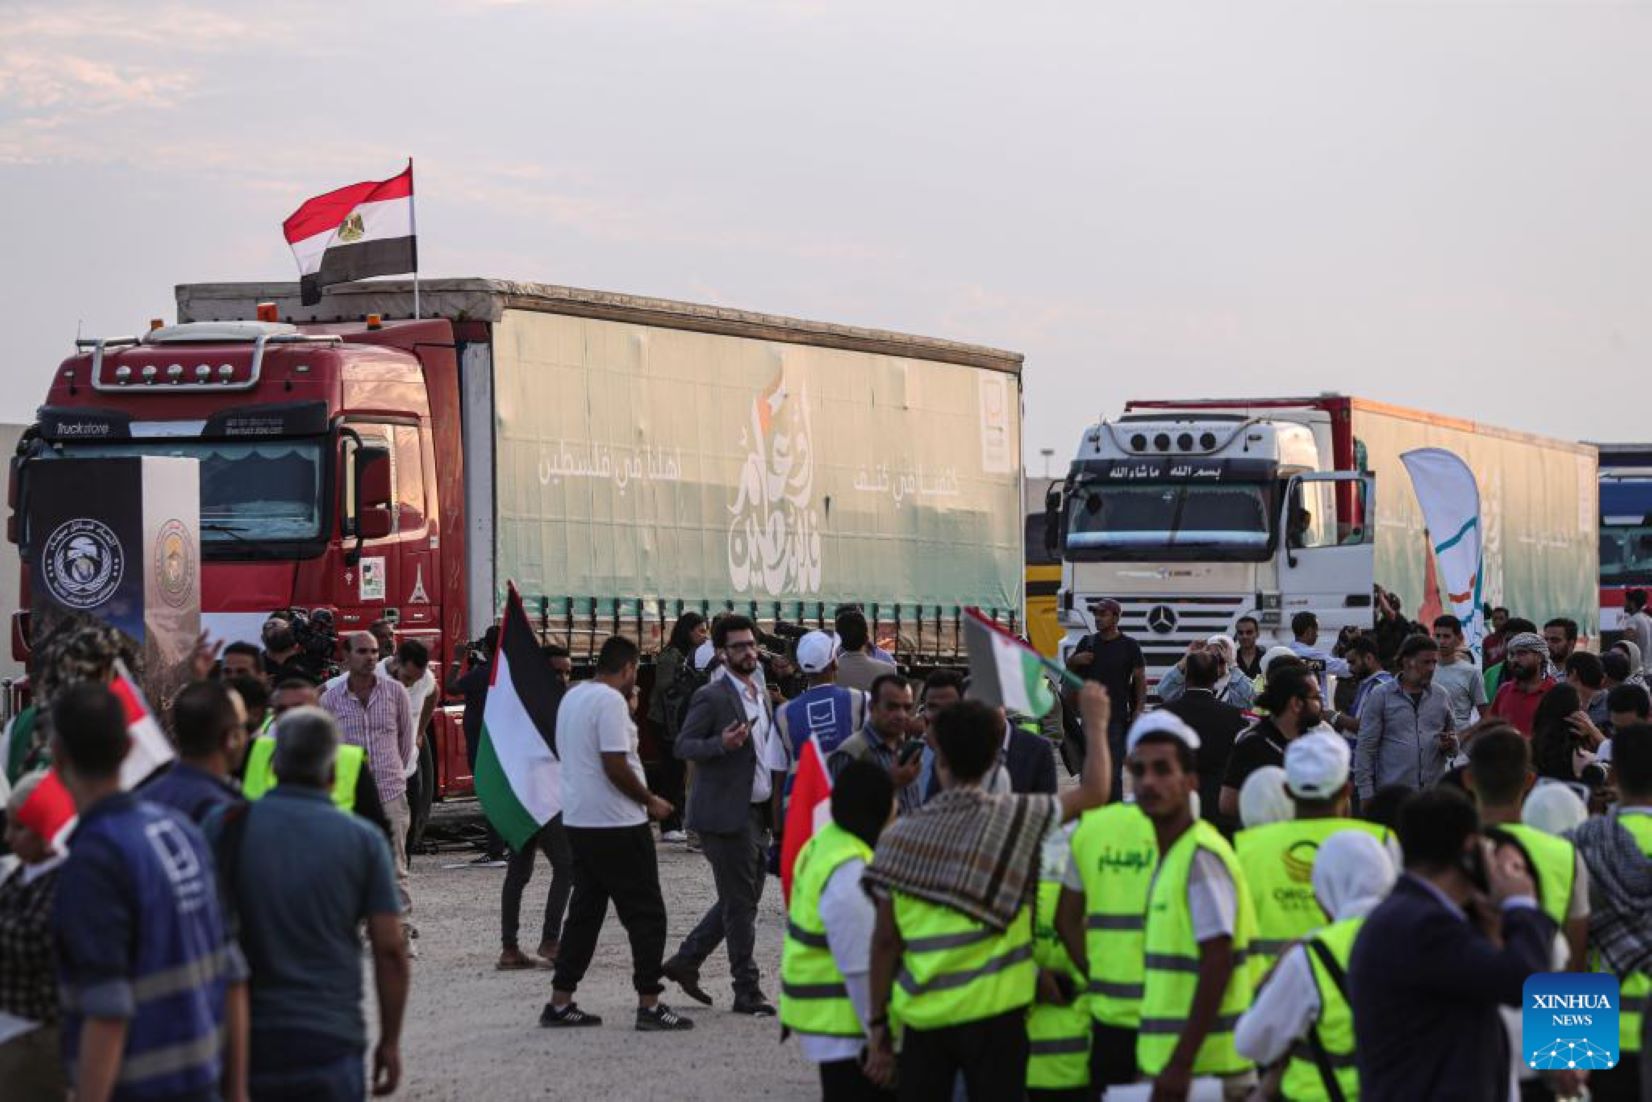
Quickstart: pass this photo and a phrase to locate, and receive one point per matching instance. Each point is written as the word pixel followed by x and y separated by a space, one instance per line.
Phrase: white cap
pixel 1275 652
pixel 816 652
pixel 704 655
pixel 1316 765
pixel 1263 799
pixel 1160 722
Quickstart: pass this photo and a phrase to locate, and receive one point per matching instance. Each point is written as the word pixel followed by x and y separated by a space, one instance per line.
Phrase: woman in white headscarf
pixel 1553 809
pixel 1352 874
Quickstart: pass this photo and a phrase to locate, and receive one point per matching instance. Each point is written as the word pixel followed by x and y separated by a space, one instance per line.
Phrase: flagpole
pixel 413 224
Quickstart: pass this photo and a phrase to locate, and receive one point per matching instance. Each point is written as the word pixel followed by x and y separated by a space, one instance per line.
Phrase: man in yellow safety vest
pixel 1279 858
pixel 1301 1015
pixel 1200 924
pixel 954 881
pixel 825 992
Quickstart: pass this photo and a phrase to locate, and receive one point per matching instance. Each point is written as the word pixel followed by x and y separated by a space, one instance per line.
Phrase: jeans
pixel 991 1054
pixel 739 865
pixel 340 1080
pixel 552 841
pixel 617 863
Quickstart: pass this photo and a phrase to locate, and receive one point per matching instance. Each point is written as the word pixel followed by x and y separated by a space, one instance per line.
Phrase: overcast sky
pixel 1436 204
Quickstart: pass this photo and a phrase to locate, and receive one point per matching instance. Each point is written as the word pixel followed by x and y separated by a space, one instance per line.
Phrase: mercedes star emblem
pixel 1161 619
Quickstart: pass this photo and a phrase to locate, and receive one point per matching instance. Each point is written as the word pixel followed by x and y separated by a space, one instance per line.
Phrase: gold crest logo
pixel 1299 862
pixel 352 228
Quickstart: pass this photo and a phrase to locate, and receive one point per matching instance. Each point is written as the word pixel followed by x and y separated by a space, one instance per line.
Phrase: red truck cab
pixel 331 474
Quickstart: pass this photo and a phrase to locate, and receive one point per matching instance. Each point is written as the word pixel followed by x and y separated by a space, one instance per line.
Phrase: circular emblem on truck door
pixel 82 563
pixel 1161 619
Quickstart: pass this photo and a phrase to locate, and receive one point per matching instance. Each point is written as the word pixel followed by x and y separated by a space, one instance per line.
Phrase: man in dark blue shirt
pixel 209 725
pixel 154 991
pixel 302 878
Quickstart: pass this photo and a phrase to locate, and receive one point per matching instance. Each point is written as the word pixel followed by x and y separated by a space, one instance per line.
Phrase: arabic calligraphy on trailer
pixel 603 463
pixel 901 485
pixel 774 536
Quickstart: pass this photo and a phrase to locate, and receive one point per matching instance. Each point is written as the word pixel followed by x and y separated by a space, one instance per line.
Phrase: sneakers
pixel 513 960
pixel 489 861
pixel 673 836
pixel 568 1017
pixel 754 1006
pixel 660 1018
pixel 687 978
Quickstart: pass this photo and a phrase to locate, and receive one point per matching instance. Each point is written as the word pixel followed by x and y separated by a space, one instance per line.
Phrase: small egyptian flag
pixel 357 231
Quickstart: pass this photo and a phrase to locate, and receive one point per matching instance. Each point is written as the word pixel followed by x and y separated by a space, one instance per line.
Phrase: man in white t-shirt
pixel 410 665
pixel 606 806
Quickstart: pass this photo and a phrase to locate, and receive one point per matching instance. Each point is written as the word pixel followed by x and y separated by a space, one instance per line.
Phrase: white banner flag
pixel 1451 508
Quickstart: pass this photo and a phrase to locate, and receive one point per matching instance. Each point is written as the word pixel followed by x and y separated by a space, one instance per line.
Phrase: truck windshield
pixel 1626 531
pixel 1176 520
pixel 251 492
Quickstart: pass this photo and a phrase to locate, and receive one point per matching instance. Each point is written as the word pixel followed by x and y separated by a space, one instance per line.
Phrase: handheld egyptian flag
pixel 517 774
pixel 362 230
pixel 1005 671
pixel 149 749
pixel 808 808
pixel 49 810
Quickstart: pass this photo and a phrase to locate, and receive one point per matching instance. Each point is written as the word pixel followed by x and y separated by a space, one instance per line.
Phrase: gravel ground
pixel 473 1033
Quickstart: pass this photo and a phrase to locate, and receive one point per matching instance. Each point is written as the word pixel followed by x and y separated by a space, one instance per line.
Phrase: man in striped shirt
pixel 373 713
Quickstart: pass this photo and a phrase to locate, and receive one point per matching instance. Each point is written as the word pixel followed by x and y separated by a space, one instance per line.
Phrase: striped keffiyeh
pixel 969 850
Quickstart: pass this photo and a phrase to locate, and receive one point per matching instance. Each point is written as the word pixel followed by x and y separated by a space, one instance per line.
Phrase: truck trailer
pixel 1194 514
pixel 620 459
pixel 1625 528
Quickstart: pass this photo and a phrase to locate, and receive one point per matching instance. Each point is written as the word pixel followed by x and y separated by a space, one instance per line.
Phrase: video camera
pixel 317 637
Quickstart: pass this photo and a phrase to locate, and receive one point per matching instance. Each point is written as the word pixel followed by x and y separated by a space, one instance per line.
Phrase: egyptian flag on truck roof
pixel 361 230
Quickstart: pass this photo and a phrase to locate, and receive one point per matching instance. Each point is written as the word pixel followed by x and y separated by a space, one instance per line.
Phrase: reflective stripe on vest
pixel 259 775
pixel 813 998
pixel 1058 1036
pixel 1114 851
pixel 1335 1025
pixel 955 969
pixel 1553 863
pixel 1172 962
pixel 1278 860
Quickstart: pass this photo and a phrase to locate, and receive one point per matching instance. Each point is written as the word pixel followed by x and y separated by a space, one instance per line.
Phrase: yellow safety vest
pixel 1553 863
pixel 1172 960
pixel 1058 1036
pixel 813 998
pixel 259 776
pixel 1635 988
pixel 1303 1079
pixel 1115 851
pixel 955 970
pixel 1278 860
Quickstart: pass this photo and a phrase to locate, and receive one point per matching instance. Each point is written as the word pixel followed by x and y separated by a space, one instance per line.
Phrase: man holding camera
pixel 730 734
pixel 885 743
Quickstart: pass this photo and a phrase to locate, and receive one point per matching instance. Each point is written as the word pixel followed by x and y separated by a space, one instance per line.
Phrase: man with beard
pixel 1294 706
pixel 1407 735
pixel 1528 679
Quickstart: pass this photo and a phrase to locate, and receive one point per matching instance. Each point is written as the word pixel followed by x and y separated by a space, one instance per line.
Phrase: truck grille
pixel 1165 625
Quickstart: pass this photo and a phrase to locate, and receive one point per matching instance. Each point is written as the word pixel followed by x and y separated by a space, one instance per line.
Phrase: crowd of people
pixel 1299 871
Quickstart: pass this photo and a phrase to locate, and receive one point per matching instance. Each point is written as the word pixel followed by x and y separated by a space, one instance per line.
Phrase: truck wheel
pixel 421 791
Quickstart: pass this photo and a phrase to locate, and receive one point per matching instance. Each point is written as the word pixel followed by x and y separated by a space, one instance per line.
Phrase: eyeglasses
pixel 743 645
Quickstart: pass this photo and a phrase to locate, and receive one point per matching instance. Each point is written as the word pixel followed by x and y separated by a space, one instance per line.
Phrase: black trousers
pixel 739 865
pixel 843 1081
pixel 990 1054
pixel 617 863
pixel 552 841
pixel 1112 1056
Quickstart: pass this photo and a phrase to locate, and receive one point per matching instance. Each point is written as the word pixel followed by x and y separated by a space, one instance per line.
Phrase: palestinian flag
pixel 357 231
pixel 809 808
pixel 150 748
pixel 517 775
pixel 49 811
pixel 1003 670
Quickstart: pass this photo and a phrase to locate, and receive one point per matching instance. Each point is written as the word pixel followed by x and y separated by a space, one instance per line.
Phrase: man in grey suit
pixel 730 735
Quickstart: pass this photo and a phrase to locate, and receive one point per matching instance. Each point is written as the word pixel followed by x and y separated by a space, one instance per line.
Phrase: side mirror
pixel 372 479
pixel 1052 521
pixel 374 523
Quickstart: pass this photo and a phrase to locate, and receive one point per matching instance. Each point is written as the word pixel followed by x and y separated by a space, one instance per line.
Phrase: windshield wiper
pixel 232 530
